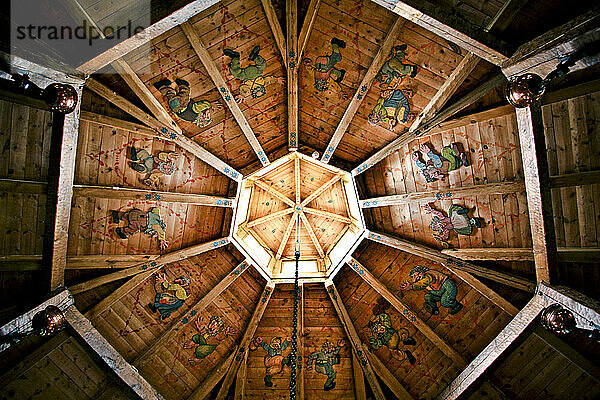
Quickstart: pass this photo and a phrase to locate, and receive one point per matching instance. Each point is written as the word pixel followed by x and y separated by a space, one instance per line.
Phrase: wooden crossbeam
pixel 240 379
pixel 223 88
pixel 173 134
pixel 575 179
pixel 275 27
pixel 247 338
pixel 191 315
pixel 585 255
pixel 99 261
pixel 363 89
pixel 355 341
pixel 156 29
pixel 311 234
pixel 360 389
pixel 297 182
pixel 450 261
pixel 145 273
pixel 387 377
pixel 23 186
pixel 110 355
pixel 405 310
pixel 327 214
pixel 274 192
pixel 270 217
pixel 286 236
pixel 445 193
pixel 115 192
pixel 307 26
pixel 290 59
pixel 117 123
pixel 205 388
pixel 321 190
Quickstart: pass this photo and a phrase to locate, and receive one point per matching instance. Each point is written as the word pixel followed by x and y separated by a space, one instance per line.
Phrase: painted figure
pixel 214 330
pixel 382 333
pixel 433 168
pixel 254 82
pixel 395 68
pixel 324 360
pixel 153 166
pixel 169 296
pixel 325 73
pixel 457 220
pixel 138 221
pixel 196 111
pixel 274 360
pixel 392 108
pixel 440 289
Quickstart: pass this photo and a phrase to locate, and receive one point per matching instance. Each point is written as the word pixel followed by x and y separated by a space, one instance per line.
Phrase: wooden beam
pixel 449 261
pixel 240 379
pixel 205 388
pixel 311 234
pixel 321 190
pixel 357 345
pixel 435 25
pixel 360 390
pixel 586 255
pixel 275 27
pixel 173 134
pixel 223 88
pixel 493 350
pixel 23 186
pixel 362 90
pixel 575 179
pixel 387 377
pixel 189 316
pixel 270 217
pixel 539 200
pixel 109 261
pixel 290 59
pixel 115 192
pixel 307 26
pixel 110 355
pixel 571 91
pixel 405 310
pixel 444 193
pixel 297 182
pixel 275 193
pixel 20 263
pixel 156 29
pixel 491 254
pixel 286 236
pixel 119 124
pixel 450 86
pixel 144 274
pixel 246 338
pixel 327 214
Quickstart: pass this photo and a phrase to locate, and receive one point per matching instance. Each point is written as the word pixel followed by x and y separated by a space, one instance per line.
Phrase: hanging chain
pixel 294 352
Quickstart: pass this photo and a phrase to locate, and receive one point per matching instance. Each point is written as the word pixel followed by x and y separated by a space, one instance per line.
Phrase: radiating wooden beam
pixel 491 254
pixel 270 217
pixel 173 134
pixel 240 379
pixel 286 236
pixel 117 123
pixel 223 88
pixel 99 261
pixel 445 193
pixel 274 192
pixel 145 272
pixel 204 389
pixel 115 192
pixel 156 29
pixel 327 214
pixel 311 234
pixel 362 90
pixel 387 377
pixel 290 59
pixel 297 182
pixel 246 338
pixel 110 355
pixel 405 310
pixel 360 390
pixel 23 186
pixel 321 190
pixel 355 341
pixel 191 314
pixel 307 25
pixel 275 27
pixel 575 179
pixel 449 261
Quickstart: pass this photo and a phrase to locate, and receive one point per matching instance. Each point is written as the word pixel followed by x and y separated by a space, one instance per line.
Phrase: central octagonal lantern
pixel 269 203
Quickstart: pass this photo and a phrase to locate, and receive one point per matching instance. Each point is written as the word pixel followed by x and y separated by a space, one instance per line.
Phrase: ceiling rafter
pixel 363 89
pixel 223 89
pixel 240 378
pixel 143 357
pixel 290 59
pixel 360 389
pixel 387 377
pixel 327 214
pixel 274 192
pixel 216 375
pixel 355 341
pixel 286 236
pixel 307 26
pixel 275 27
pixel 96 261
pixel 269 217
pixel 297 182
pixel 311 234
pixel 162 130
pixel 316 193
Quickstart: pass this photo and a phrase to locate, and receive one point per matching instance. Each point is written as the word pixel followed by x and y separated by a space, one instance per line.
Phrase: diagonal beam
pixel 162 130
pixel 203 390
pixel 491 254
pixel 387 377
pixel 269 217
pixel 240 379
pixel 275 27
pixel 286 236
pixel 246 338
pixel 453 262
pixel 97 261
pixel 405 310
pixel 360 390
pixel 363 88
pixel 311 234
pixel 357 345
pixel 307 26
pixel 297 182
pixel 268 188
pixel 143 273
pixel 223 88
pixel 115 192
pixel 326 214
pixel 456 192
pixel 191 315
pixel 321 190
pixel 291 62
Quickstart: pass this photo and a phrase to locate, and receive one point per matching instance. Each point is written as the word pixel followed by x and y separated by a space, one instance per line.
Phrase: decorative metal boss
pixel 525 90
pixel 558 319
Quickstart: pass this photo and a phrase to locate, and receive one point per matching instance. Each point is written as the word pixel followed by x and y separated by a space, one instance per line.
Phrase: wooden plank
pixel 445 193
pixel 493 350
pixel 240 379
pixel 575 179
pixel 297 181
pixel 307 25
pixel 110 355
pixel 270 217
pixel 290 59
pixel 23 186
pixel 118 124
pixel 357 345
pixel 455 263
pixel 360 391
pixel 286 235
pixel 99 261
pixel 275 27
pixel 311 234
pixel 571 92
pixel 491 254
pixel 116 192
pixel 387 377
pixel 362 90
pixel 326 214
pixel 274 192
pixel 223 88
pixel 204 389
pixel 320 190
